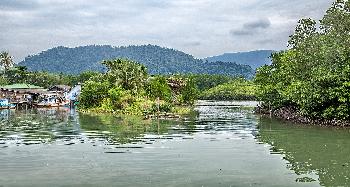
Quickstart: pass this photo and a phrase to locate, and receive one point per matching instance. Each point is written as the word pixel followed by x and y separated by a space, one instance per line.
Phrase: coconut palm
pixel 130 75
pixel 6 60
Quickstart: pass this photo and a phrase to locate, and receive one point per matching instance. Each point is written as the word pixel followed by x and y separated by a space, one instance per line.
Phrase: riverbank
pixel 293 115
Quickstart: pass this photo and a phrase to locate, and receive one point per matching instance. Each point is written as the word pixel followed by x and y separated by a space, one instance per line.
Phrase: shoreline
pixel 291 114
pixel 179 112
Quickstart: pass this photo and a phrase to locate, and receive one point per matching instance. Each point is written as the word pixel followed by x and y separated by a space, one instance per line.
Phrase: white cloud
pixel 199 27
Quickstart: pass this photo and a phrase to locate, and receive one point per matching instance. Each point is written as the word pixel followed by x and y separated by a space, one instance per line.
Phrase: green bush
pixel 189 93
pixel 238 89
pixel 157 87
pixel 120 98
pixel 93 93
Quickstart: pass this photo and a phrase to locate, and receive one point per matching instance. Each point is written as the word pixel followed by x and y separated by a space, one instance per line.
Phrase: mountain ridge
pixel 158 60
pixel 255 59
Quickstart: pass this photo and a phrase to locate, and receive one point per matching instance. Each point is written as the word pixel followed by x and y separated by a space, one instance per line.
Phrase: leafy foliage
pixel 314 74
pixel 6 60
pixel 237 89
pixel 128 74
pixel 189 92
pixel 157 87
pixel 93 93
pixel 126 88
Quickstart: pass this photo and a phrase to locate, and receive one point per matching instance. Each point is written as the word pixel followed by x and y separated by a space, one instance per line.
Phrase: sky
pixel 201 28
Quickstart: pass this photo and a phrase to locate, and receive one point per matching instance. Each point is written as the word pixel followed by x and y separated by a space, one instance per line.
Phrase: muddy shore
pixel 293 115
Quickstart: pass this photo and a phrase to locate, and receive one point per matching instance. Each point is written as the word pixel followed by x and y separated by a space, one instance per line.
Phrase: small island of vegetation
pixel 126 88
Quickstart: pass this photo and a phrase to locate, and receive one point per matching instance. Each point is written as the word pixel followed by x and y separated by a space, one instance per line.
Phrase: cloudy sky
pixel 198 27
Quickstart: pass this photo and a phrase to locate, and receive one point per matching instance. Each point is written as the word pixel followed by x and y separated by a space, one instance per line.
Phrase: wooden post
pixel 158 103
pixel 158 125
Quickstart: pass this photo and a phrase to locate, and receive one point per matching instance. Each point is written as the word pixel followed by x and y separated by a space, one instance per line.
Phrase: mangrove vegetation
pixel 312 77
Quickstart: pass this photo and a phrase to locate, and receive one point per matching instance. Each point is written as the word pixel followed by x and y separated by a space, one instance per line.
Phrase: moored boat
pixel 5 104
pixel 52 102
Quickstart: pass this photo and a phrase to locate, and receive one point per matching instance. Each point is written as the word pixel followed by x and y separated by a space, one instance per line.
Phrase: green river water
pixel 225 144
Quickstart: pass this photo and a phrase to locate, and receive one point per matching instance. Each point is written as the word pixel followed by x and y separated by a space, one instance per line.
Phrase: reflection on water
pixel 225 144
pixel 323 151
pixel 63 125
pixel 37 126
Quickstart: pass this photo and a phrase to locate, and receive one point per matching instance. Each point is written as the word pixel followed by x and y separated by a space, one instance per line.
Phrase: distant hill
pixel 157 59
pixel 255 59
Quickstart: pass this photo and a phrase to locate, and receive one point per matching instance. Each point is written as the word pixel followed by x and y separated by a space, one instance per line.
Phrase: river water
pixel 223 144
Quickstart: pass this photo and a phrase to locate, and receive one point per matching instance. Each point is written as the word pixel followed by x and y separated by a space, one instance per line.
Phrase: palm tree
pixel 130 75
pixel 6 60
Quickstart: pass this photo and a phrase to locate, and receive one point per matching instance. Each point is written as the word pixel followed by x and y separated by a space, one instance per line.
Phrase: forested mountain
pixel 255 59
pixel 157 59
pixel 226 68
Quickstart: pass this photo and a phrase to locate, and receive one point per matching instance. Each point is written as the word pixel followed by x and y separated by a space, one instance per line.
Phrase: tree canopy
pixel 313 75
pixel 6 60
